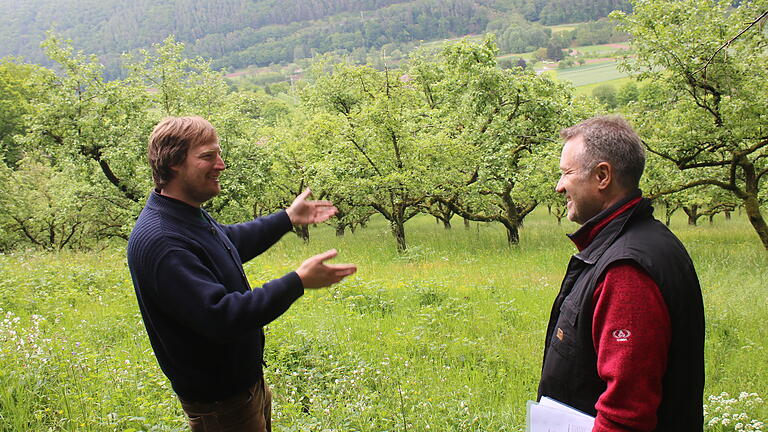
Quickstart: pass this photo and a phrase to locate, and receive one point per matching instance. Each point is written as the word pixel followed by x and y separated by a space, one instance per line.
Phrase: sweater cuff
pixel 294 284
pixel 284 221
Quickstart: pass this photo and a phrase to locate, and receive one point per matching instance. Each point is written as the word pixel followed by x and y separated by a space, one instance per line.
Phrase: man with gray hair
pixel 625 339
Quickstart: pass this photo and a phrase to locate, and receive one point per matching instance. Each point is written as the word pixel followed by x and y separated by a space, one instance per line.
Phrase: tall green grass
pixel 446 337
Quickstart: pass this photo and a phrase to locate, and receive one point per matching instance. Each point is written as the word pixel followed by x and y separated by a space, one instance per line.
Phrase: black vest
pixel 569 372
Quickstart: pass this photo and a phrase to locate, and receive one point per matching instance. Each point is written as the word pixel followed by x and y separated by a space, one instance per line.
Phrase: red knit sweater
pixel 631 331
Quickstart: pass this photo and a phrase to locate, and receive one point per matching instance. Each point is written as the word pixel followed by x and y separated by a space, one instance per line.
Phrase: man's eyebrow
pixel 208 151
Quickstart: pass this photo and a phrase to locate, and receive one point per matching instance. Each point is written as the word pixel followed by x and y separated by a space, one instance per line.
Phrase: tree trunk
pixel 398 230
pixel 693 214
pixel 752 207
pixel 513 236
pixel 727 215
pixel 447 224
pixel 339 230
pixel 303 232
pixel 711 219
pixel 466 223
pixel 668 212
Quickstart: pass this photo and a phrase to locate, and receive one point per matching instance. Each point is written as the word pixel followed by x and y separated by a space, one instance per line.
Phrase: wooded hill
pixel 239 33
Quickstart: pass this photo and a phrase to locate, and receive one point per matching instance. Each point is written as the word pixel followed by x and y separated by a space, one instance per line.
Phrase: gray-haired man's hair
pixel 610 139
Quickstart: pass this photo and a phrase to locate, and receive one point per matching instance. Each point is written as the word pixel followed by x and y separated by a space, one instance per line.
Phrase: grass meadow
pixel 587 90
pixel 446 337
pixel 590 73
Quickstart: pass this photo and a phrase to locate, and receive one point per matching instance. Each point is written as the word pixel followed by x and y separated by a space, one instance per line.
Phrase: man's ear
pixel 604 175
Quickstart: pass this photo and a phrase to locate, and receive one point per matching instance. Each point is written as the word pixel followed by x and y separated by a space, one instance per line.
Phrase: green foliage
pixel 569 11
pixel 606 94
pixel 17 91
pixel 181 85
pixel 451 133
pixel 554 52
pixel 705 109
pixel 516 35
pixel 602 31
pixel 89 122
pixel 567 62
pixel 627 93
pixel 237 34
pixel 502 124
pixel 563 11
pixel 378 146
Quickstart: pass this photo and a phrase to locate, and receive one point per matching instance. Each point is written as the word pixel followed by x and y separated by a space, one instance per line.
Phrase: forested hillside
pixel 238 33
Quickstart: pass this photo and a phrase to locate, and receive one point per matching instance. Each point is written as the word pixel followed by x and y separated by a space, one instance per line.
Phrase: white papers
pixel 549 415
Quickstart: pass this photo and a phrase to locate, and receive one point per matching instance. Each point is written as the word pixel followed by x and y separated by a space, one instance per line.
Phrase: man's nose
pixel 220 165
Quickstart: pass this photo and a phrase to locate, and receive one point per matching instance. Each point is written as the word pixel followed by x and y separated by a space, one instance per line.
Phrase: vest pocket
pixel 564 335
pixel 560 363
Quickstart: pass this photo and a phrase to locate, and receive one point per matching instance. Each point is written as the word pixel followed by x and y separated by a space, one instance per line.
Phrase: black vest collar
pixel 608 234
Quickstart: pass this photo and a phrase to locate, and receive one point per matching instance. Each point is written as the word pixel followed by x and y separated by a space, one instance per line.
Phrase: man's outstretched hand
pixel 304 212
pixel 314 273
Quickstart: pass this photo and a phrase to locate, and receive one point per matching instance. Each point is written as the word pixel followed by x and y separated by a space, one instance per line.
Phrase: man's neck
pixel 584 236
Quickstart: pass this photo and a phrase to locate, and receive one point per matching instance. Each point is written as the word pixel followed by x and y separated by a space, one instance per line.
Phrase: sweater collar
pixel 177 209
pixel 594 237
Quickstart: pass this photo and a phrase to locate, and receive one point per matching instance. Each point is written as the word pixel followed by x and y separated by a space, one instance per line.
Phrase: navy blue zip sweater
pixel 203 319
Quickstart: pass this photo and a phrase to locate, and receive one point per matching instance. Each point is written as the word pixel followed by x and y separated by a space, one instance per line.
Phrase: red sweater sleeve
pixel 631 331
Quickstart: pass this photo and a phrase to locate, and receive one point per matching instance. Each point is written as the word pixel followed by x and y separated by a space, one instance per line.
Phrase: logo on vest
pixel 560 334
pixel 621 335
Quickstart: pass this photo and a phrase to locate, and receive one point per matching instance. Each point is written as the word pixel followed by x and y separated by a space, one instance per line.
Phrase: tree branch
pixel 26 231
pixel 465 213
pixel 131 195
pixel 360 149
pixel 754 148
pixel 684 163
pixel 761 173
pixel 703 182
pixel 658 153
pixel 725 45
pixel 704 165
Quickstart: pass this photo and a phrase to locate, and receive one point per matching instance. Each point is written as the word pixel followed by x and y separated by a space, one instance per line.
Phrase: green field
pixel 607 49
pixel 590 74
pixel 563 27
pixel 446 337
pixel 437 44
pixel 588 88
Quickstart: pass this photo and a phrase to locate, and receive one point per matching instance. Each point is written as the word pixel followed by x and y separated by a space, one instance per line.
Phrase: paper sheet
pixel 550 415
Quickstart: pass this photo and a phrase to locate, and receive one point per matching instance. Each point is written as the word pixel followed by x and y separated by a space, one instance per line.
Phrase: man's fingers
pixel 304 195
pixel 322 204
pixel 324 208
pixel 342 269
pixel 326 255
pixel 337 275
